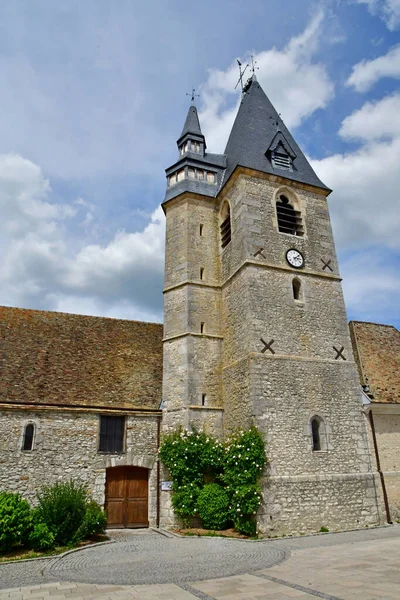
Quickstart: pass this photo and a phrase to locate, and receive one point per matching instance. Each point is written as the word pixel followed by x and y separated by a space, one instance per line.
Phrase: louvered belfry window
pixel 225 226
pixel 281 160
pixel 111 434
pixel 289 219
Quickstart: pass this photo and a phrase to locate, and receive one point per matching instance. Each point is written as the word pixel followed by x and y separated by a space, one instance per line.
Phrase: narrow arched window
pixel 289 219
pixel 28 437
pixel 316 438
pixel 296 289
pixel 225 225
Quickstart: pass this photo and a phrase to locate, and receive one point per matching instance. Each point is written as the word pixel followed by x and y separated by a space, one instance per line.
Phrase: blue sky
pixel 94 97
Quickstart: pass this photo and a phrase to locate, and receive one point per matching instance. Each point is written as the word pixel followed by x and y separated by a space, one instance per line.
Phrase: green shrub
pixel 213 506
pixel 189 454
pixel 184 501
pixel 62 507
pixel 245 458
pixel 95 521
pixel 247 526
pixel 194 458
pixel 41 537
pixel 15 520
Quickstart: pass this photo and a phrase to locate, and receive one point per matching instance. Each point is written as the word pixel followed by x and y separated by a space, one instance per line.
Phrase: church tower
pixel 255 323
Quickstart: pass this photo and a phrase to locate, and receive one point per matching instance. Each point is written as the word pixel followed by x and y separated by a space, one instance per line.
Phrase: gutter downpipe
pixel 378 466
pixel 158 472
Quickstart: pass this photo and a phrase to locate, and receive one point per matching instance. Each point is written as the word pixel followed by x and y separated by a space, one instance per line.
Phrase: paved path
pixel 363 565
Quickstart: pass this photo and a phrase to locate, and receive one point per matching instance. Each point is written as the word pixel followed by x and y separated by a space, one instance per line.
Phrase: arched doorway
pixel 127 494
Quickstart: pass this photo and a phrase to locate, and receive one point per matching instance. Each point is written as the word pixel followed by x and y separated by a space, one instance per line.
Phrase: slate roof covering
pixel 192 123
pixel 377 353
pixel 255 127
pixel 64 359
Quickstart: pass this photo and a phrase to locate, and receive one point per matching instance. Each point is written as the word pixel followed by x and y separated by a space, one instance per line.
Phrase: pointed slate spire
pixel 192 124
pixel 258 132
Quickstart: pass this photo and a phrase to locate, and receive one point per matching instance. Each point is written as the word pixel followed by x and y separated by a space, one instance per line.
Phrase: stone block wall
pixel 387 429
pixel 305 503
pixel 66 447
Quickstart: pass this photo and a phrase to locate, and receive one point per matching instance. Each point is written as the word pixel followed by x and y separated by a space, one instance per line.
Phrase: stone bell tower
pixel 255 323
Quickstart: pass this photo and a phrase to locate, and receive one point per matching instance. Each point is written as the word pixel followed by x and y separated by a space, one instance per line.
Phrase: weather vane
pixel 193 95
pixel 241 73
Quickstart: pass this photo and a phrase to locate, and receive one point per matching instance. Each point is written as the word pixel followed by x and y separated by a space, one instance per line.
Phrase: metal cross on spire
pixel 241 73
pixel 193 95
pixel 253 64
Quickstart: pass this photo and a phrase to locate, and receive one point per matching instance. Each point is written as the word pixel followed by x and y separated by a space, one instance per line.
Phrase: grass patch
pixel 20 553
pixel 199 532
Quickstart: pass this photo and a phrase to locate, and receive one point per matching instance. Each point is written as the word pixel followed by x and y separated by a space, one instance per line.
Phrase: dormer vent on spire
pixel 281 153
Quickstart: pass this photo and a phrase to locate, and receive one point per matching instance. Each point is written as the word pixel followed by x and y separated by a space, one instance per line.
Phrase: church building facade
pixel 255 331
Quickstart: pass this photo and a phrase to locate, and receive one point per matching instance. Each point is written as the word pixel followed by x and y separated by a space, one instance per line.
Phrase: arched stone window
pixel 28 437
pixel 226 232
pixel 296 285
pixel 318 434
pixel 289 219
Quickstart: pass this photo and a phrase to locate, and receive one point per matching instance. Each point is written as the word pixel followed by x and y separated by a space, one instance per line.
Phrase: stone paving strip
pixel 83 591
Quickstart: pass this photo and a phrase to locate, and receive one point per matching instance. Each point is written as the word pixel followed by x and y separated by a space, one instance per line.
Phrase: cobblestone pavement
pixel 362 565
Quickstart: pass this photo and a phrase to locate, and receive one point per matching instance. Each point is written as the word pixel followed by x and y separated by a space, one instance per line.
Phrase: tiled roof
pixel 377 353
pixel 65 359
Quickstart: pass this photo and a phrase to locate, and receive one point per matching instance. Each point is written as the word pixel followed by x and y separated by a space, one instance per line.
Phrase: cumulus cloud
pixel 388 10
pixel 374 121
pixel 296 84
pixel 43 267
pixel 364 208
pixel 364 205
pixel 367 72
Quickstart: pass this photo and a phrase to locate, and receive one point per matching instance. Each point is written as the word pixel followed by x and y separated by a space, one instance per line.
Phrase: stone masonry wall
pixel 282 389
pixel 66 447
pixel 387 428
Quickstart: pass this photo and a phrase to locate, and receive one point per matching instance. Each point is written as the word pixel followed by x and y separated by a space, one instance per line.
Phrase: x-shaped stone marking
pixel 339 353
pixel 267 346
pixel 327 264
pixel 259 252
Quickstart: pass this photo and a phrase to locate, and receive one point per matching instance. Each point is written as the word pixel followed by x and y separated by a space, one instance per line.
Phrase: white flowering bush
pixel 236 466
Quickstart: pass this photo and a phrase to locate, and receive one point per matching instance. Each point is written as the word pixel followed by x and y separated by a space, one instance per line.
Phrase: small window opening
pixel 315 425
pixel 201 229
pixel 28 437
pixel 225 226
pixel 318 434
pixel 201 327
pixel 201 272
pixel 111 433
pixel 296 289
pixel 289 219
pixel 203 399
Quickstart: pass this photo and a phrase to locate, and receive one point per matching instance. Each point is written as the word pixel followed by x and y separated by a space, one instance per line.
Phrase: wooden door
pixel 127 497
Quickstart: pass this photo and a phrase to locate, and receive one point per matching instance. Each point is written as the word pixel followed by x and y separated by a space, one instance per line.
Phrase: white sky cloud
pixel 90 119
pixel 40 266
pixel 374 121
pixel 388 10
pixel 367 72
pixel 364 205
pixel 296 84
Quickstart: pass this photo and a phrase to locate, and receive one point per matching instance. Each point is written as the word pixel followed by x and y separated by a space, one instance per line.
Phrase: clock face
pixel 295 258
